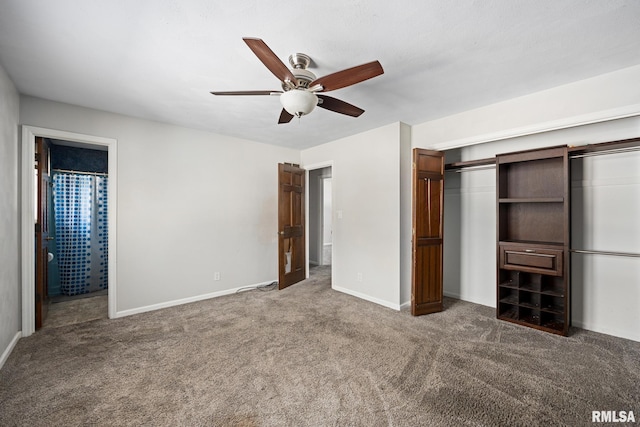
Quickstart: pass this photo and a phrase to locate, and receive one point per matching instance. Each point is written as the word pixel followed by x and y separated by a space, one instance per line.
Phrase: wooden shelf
pixel 532 242
pixel 511 299
pixel 532 200
pixel 528 287
pixel 552 309
pixel 509 285
pixel 552 293
pixel 511 314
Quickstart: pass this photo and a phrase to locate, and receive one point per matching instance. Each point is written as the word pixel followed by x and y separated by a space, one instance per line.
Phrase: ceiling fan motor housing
pixel 300 62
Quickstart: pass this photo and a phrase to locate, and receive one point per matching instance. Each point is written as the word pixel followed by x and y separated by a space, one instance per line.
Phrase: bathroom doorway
pixel 32 293
pixel 77 282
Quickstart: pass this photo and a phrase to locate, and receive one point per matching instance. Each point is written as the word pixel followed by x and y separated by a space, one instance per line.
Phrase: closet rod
pixel 602 152
pixel 627 254
pixel 474 168
pixel 80 172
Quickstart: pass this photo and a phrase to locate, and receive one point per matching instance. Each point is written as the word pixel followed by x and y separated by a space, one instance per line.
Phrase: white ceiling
pixel 158 59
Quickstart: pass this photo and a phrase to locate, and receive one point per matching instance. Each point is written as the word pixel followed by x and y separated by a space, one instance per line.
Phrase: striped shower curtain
pixel 80 209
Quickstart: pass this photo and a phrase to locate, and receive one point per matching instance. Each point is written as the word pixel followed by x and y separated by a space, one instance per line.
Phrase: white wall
pixel 601 98
pixel 190 203
pixel 605 293
pixel 406 217
pixel 605 201
pixel 9 219
pixel 470 236
pixel 366 212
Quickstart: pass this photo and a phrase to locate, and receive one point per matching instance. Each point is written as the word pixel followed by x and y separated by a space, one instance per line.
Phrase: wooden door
pixel 42 231
pixel 291 235
pixel 428 192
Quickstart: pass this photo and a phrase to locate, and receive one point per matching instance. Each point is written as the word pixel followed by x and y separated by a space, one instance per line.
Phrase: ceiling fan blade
pixel 270 60
pixel 285 117
pixel 348 77
pixel 249 92
pixel 333 104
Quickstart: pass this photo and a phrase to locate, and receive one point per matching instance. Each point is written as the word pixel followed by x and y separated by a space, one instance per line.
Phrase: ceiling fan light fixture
pixel 298 102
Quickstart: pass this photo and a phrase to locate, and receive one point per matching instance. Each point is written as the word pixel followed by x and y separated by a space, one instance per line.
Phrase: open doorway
pixel 320 218
pixel 29 205
pixel 77 273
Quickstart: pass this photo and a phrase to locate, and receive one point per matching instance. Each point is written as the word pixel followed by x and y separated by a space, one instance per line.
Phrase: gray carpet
pixel 311 356
pixel 77 310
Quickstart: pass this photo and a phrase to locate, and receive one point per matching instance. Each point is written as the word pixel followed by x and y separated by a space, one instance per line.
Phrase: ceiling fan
pixel 301 88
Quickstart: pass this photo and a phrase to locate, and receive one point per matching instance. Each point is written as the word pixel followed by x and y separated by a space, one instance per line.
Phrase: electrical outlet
pixel 359 277
pixel 216 275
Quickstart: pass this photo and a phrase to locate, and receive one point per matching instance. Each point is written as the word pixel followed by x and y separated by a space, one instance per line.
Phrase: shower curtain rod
pixel 80 172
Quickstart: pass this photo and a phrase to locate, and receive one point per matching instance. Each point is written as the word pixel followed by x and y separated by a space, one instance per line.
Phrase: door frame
pixel 27 204
pixel 307 169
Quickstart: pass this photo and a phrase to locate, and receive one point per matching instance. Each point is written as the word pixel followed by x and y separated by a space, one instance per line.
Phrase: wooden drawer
pixel 531 258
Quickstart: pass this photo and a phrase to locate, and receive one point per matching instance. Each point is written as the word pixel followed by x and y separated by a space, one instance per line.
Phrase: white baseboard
pixel 369 298
pixel 628 334
pixel 452 295
pixel 196 298
pixel 407 305
pixel 9 349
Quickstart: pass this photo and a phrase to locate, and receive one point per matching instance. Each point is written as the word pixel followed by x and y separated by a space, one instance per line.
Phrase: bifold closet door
pixel 427 238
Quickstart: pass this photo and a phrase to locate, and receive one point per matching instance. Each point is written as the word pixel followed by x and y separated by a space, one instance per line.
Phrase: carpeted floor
pixel 77 310
pixel 311 356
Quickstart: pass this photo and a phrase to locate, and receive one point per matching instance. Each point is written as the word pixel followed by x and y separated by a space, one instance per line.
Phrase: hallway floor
pixel 77 310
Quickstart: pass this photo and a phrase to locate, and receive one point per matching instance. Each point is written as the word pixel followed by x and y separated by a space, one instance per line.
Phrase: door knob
pixel 49 238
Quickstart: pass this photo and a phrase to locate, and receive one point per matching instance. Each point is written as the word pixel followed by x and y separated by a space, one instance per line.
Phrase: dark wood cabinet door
pixel 428 203
pixel 291 234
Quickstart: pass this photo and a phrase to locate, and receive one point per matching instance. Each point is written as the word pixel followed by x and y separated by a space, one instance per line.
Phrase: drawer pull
pixel 530 251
